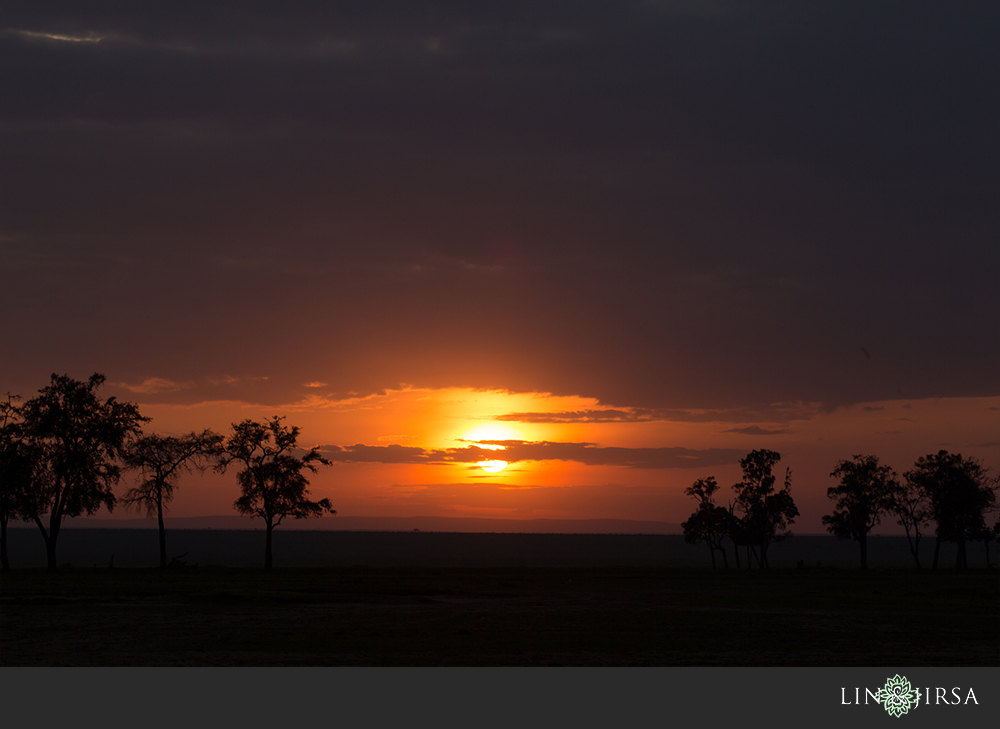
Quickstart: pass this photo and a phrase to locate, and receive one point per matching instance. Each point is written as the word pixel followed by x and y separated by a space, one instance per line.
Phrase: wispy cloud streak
pixel 515 451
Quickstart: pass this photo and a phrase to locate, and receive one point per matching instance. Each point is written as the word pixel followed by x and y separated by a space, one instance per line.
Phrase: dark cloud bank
pixel 661 205
pixel 517 450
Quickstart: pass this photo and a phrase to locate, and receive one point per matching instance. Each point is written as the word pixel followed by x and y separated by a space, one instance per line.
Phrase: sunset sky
pixel 626 242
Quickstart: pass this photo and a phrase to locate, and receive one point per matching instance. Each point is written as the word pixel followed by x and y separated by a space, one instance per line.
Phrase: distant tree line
pixel 953 493
pixel 64 451
pixel 956 494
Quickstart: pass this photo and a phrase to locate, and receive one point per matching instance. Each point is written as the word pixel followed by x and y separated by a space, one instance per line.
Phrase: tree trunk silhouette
pixel 937 551
pixel 50 541
pixel 5 562
pixel 864 551
pixel 163 533
pixel 914 544
pixel 961 562
pixel 267 545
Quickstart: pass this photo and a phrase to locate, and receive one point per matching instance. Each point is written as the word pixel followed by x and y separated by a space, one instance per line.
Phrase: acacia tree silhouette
pixel 161 460
pixel 710 522
pixel 764 513
pixel 867 490
pixel 16 464
pixel 272 481
pixel 961 493
pixel 76 441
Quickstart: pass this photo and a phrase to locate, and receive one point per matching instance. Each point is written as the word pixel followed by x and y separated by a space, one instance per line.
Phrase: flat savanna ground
pixel 499 617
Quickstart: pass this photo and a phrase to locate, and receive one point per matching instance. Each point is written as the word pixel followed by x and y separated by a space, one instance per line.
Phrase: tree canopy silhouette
pixel 764 514
pixel 76 441
pixel 757 518
pixel 961 493
pixel 161 460
pixel 16 465
pixel 272 480
pixel 710 522
pixel 866 492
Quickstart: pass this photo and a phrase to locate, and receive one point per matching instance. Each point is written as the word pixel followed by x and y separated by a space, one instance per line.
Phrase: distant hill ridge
pixel 395 524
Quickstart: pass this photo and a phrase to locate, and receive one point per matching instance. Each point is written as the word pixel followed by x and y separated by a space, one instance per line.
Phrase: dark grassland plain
pixel 499 616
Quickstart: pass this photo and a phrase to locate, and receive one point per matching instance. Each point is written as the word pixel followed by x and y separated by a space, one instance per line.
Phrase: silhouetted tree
pixel 961 493
pixel 987 535
pixel 867 491
pixel 764 514
pixel 912 507
pixel 77 440
pixel 994 537
pixel 16 464
pixel 272 480
pixel 710 522
pixel 161 460
pixel 739 534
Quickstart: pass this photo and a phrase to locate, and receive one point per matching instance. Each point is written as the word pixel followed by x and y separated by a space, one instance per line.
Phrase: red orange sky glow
pixel 401 453
pixel 616 246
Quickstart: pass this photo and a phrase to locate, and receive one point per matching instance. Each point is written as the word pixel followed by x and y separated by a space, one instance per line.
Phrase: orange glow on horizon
pixel 424 452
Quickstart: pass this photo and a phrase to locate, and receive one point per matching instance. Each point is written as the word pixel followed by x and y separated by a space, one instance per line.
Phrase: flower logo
pixel 897 696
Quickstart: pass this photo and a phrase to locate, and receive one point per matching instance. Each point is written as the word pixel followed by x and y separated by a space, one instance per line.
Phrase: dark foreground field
pixel 499 617
pixel 86 548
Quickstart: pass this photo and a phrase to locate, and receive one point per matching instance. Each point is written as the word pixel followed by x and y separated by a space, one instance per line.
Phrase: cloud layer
pixel 514 451
pixel 664 206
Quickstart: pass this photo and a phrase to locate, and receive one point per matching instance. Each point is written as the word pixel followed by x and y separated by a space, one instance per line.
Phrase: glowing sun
pixel 492 466
pixel 477 434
